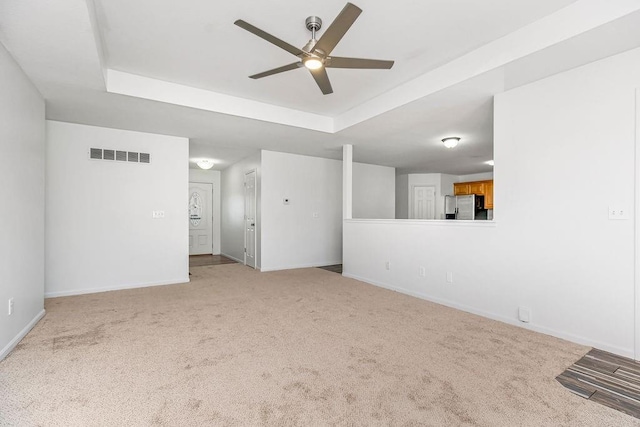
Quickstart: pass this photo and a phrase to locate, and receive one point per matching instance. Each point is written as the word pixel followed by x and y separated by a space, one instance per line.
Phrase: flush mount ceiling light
pixel 451 141
pixel 205 164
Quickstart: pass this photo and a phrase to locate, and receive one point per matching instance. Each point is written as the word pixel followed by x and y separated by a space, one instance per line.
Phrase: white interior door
pixel 200 218
pixel 250 219
pixel 424 202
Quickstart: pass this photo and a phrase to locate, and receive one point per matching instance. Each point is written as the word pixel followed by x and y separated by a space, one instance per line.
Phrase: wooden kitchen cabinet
pixel 461 189
pixel 488 195
pixel 476 187
pixel 481 188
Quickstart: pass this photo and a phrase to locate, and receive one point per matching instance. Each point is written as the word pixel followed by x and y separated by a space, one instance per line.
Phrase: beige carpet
pixel 302 347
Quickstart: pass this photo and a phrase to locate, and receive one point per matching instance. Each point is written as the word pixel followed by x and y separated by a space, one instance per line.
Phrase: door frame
pixel 211 209
pixel 244 218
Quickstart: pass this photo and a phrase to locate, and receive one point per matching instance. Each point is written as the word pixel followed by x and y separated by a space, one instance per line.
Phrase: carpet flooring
pixel 300 347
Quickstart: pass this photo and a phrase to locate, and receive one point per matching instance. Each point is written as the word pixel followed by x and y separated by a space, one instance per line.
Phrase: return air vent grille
pixel 119 156
pixel 95 153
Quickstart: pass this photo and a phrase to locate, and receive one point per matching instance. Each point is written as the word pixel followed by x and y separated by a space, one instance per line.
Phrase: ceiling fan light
pixel 451 141
pixel 205 164
pixel 313 63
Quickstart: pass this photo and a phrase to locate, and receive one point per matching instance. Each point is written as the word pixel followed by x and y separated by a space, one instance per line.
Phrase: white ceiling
pixel 394 118
pixel 196 44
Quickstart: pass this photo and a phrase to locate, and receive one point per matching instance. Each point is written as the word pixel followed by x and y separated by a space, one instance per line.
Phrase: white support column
pixel 347 181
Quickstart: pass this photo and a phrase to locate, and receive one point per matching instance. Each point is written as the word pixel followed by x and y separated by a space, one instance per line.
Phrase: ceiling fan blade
pixel 321 77
pixel 268 37
pixel 277 70
pixel 337 29
pixel 339 62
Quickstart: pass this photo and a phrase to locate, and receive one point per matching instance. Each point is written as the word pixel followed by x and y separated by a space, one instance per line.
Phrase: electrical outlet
pixel 387 265
pixel 158 214
pixel 450 277
pixel 10 310
pixel 422 272
pixel 524 314
pixel 618 212
pixel 316 215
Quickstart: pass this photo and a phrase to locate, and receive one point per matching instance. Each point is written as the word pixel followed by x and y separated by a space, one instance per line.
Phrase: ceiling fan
pixel 315 55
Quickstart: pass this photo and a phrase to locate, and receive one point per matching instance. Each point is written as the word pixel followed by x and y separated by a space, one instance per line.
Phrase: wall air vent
pixel 120 156
pixel 95 153
pixel 145 158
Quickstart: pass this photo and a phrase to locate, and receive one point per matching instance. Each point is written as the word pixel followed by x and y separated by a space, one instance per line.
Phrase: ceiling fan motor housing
pixel 313 23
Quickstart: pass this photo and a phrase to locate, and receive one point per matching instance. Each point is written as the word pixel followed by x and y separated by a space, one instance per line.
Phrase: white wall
pixel 100 234
pixel 211 177
pixel 552 248
pixel 483 176
pixel 308 231
pixel 22 203
pixel 232 218
pixel 374 191
pixel 402 196
pixel 446 185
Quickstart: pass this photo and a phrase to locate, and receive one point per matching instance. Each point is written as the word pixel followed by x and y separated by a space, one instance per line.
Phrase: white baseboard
pixel 626 352
pixel 114 288
pixel 23 333
pixel 293 267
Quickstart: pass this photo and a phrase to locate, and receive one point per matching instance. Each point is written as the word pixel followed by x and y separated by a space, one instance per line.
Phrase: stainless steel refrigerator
pixel 460 207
